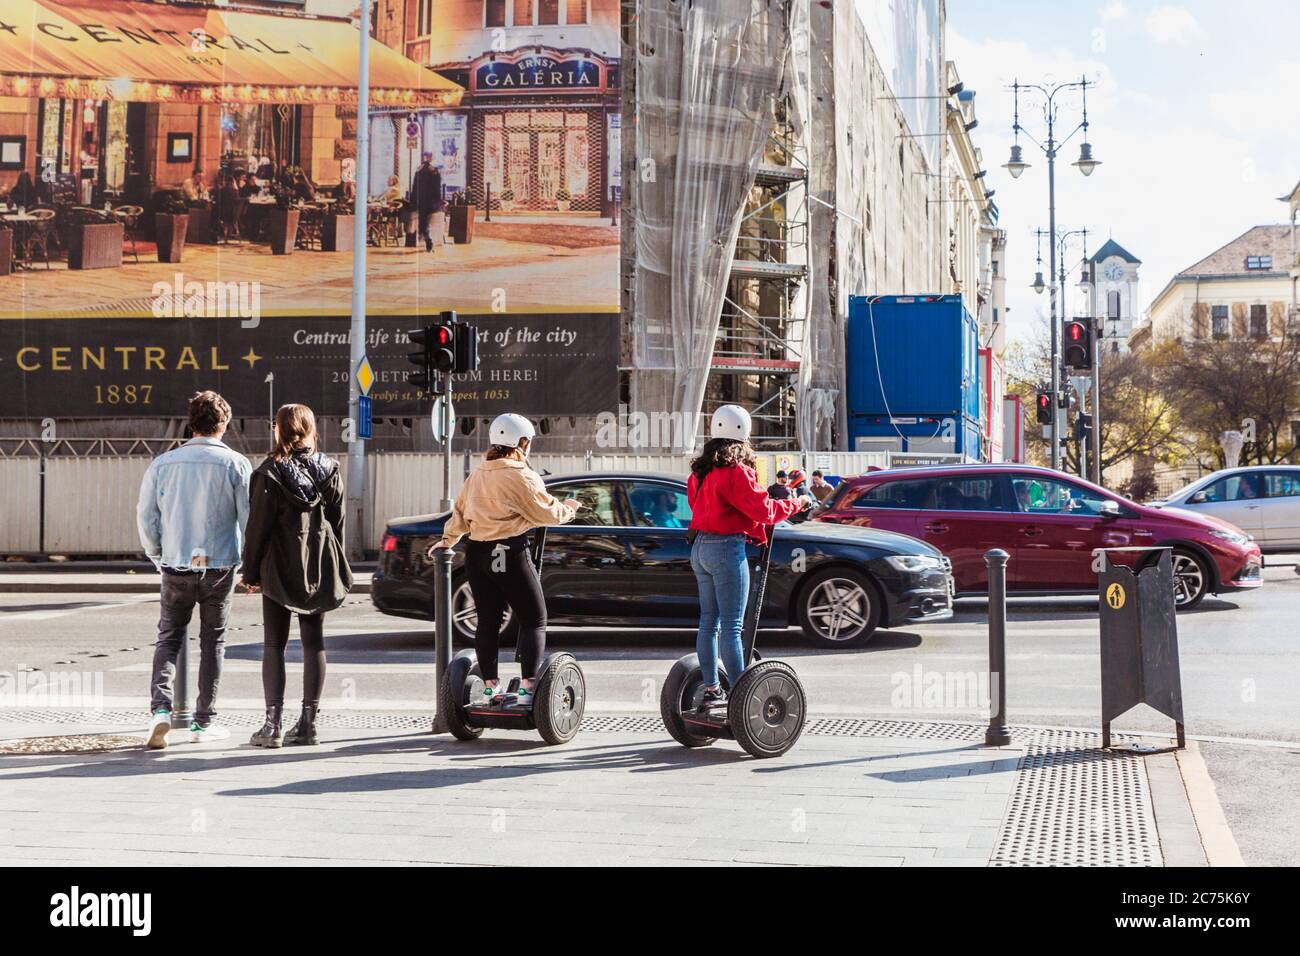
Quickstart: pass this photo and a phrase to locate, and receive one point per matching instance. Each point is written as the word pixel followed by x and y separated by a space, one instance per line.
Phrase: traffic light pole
pixel 445 504
pixel 1097 327
pixel 356 476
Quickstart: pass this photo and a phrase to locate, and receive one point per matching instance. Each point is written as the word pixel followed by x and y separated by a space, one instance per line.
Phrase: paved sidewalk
pixel 107 582
pixel 381 790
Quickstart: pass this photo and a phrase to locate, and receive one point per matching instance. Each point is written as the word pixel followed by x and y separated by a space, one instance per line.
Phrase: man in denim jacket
pixel 191 516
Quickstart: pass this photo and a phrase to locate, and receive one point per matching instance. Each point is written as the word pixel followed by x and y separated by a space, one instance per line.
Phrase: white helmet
pixel 510 429
pixel 731 421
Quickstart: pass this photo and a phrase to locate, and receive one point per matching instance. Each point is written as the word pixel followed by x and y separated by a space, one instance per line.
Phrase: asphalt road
pixel 1240 668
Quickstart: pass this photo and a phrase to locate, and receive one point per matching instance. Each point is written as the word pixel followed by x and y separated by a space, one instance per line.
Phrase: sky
pixel 1196 119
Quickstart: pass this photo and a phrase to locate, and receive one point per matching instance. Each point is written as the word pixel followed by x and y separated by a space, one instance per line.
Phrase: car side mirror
pixel 1109 509
pixel 1199 498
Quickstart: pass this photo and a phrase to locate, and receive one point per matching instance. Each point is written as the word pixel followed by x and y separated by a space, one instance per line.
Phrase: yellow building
pixel 1241 290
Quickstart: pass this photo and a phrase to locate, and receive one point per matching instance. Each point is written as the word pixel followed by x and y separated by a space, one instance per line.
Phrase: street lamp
pixel 1039 285
pixel 1016 164
pixel 1085 164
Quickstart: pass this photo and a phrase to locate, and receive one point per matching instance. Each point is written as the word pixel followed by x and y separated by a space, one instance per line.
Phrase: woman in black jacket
pixel 293 554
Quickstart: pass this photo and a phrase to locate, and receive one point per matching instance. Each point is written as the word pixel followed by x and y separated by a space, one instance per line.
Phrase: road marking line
pixel 64 612
pixel 1216 836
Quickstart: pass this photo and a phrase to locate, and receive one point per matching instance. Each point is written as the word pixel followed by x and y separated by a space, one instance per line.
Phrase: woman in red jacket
pixel 728 506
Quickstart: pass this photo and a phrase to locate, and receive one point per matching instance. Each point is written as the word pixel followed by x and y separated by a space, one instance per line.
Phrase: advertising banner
pixel 179 196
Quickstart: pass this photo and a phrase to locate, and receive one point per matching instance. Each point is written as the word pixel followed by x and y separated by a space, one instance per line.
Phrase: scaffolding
pixel 759 347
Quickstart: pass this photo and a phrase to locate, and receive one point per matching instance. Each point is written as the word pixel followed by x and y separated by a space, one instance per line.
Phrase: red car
pixel 1049 522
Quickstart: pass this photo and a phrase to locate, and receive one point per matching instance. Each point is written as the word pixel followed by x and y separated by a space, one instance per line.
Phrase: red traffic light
pixel 444 335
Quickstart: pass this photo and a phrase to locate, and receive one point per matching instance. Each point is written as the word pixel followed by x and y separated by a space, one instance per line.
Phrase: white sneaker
pixel 158 728
pixel 213 731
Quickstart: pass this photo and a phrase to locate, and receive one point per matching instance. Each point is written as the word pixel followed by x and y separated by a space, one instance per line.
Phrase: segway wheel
pixel 559 700
pixel 458 687
pixel 767 708
pixel 682 691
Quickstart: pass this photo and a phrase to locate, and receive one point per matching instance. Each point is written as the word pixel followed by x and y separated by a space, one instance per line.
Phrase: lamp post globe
pixel 1085 163
pixel 1016 164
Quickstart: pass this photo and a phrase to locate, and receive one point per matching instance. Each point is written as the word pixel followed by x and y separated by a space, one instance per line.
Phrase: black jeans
pixel 501 574
pixel 211 591
pixel 275 638
pixel 436 220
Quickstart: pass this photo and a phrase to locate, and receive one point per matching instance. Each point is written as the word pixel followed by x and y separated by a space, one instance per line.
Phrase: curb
pixel 147 584
pixel 1219 844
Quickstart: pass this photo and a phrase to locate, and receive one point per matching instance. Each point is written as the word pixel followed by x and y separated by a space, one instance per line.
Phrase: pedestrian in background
pixel 191 515
pixel 820 488
pixel 798 487
pixel 294 555
pixel 777 489
pixel 426 195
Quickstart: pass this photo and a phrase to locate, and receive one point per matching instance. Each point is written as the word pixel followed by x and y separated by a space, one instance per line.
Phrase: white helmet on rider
pixel 731 421
pixel 510 429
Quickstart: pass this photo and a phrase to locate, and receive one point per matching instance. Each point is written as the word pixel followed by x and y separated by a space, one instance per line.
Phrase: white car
pixel 1261 500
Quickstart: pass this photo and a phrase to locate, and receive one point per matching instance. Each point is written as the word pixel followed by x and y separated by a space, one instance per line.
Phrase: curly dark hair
pixel 722 453
pixel 208 412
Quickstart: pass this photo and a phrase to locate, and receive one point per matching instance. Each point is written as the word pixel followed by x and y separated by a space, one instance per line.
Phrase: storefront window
pixel 548 12
pixel 494 13
pixel 523 13
pixel 576 12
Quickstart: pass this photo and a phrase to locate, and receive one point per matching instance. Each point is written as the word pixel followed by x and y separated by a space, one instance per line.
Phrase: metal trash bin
pixel 1139 639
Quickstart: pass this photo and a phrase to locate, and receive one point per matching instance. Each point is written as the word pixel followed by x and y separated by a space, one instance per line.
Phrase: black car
pixel 625 562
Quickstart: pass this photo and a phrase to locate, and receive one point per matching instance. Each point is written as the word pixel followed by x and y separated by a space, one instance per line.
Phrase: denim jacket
pixel 194 506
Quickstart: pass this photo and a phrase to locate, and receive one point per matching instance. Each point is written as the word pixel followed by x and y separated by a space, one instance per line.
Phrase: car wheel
pixel 464 619
pixel 838 607
pixel 1191 579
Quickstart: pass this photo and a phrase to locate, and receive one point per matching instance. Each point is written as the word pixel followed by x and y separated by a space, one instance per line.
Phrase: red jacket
pixel 733 502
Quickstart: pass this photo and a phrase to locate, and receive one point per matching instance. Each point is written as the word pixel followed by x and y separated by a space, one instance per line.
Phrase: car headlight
pixel 914 562
pixel 1232 536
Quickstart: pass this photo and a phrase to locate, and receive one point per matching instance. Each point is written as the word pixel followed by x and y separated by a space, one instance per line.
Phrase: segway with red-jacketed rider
pixel 763 706
pixel 500 503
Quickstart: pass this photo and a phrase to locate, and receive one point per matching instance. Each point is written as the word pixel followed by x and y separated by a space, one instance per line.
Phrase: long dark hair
pixel 722 453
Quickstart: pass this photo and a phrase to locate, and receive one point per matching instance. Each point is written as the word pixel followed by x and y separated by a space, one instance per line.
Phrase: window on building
pixel 576 12
pixel 1259 262
pixel 1112 305
pixel 1258 321
pixel 424 18
pixel 548 13
pixel 1219 321
pixel 494 13
pixel 523 13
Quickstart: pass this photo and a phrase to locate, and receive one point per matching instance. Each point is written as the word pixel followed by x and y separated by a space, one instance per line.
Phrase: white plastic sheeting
pixel 707 75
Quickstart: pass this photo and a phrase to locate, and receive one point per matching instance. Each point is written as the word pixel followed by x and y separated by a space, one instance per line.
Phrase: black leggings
pixel 275 638
pixel 502 573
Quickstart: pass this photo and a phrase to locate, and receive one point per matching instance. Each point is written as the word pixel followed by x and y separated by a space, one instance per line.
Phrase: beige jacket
pixel 500 499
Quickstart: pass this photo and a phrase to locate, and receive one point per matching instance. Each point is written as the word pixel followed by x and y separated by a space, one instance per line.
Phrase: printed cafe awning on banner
pixel 160 52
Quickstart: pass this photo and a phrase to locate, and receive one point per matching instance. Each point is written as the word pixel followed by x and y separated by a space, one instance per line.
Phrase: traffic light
pixel 436 344
pixel 466 348
pixel 1044 406
pixel 1078 344
pixel 1082 426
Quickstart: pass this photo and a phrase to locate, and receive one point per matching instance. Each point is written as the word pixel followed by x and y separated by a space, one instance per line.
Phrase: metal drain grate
pixel 70 744
pixel 912 729
pixel 1075 804
pixel 623 725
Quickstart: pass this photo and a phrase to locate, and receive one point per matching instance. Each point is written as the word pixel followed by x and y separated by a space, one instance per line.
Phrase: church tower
pixel 1116 294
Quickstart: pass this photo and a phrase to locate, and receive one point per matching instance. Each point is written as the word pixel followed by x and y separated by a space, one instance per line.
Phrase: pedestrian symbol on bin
pixel 1115 596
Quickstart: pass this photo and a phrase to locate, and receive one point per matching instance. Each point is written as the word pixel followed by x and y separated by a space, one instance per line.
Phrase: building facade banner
pixel 88 368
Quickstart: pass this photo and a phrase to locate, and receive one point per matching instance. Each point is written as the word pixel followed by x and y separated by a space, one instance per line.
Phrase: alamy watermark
pixel 213 300
pixel 81 690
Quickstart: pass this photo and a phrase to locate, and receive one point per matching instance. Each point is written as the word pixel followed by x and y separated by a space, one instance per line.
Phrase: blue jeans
pixel 722 572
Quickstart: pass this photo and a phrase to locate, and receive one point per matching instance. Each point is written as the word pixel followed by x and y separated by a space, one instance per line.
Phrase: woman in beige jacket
pixel 499 504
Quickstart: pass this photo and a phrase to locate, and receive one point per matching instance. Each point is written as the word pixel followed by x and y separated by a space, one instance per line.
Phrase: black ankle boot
pixel 269 735
pixel 303 733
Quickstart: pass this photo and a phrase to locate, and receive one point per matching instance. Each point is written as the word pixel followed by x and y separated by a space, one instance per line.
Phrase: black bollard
pixel 998 734
pixel 181 716
pixel 442 629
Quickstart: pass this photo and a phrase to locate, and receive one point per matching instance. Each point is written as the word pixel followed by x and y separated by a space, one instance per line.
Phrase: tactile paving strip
pixel 1075 804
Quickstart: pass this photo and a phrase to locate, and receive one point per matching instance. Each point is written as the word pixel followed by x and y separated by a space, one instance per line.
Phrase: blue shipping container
pixel 912 355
